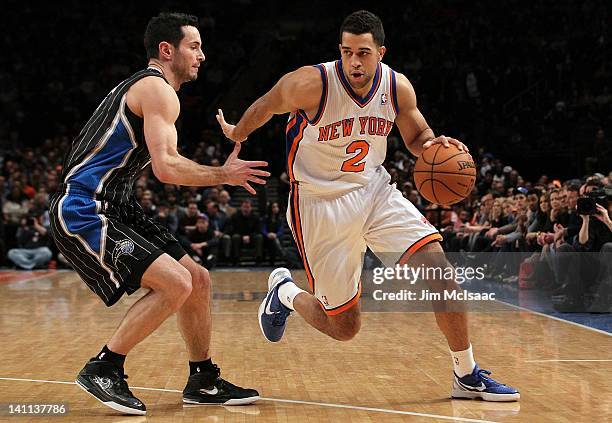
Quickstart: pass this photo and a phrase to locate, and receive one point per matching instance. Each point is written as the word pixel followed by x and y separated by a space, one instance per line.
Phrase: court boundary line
pixel 320 404
pixel 554 360
pixel 556 318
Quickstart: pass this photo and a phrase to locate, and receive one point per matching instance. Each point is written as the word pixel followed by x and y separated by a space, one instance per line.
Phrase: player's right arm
pixel 157 103
pixel 297 90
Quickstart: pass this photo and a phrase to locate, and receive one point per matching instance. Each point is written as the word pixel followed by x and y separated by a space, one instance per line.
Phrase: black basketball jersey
pixel 110 151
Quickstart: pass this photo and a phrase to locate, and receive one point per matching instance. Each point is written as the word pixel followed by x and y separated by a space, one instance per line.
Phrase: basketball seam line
pixel 446 173
pixel 446 186
pixel 445 160
pixel 433 163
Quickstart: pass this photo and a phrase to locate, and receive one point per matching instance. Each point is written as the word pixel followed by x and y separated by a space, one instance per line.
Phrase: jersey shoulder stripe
pixel 324 96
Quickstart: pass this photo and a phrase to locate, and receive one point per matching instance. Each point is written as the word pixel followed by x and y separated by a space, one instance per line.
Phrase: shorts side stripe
pixel 295 213
pixel 418 245
pixel 342 308
pixel 81 240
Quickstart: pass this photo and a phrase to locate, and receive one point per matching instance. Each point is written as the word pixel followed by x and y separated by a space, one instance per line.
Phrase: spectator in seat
pixel 146 202
pixel 272 229
pixel 165 218
pixel 203 244
pixel 224 204
pixel 33 245
pixel 586 278
pixel 574 222
pixel 14 208
pixel 187 223
pixel 541 223
pixel 219 222
pixel 246 232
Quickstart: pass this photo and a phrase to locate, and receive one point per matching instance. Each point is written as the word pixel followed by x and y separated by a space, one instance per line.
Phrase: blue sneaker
pixel 272 313
pixel 479 385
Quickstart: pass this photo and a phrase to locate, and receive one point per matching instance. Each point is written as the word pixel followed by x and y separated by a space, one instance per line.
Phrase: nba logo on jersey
pixel 383 99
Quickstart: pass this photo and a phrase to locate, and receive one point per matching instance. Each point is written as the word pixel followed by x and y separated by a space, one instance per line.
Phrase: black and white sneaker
pixel 106 382
pixel 208 388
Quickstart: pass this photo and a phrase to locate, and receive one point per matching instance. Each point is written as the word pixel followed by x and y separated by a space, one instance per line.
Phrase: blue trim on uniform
pixel 108 158
pixel 394 93
pixel 292 133
pixel 323 99
pixel 361 100
pixel 79 214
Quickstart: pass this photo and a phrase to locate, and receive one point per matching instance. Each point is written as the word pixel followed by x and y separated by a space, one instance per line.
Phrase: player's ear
pixel 381 52
pixel 165 50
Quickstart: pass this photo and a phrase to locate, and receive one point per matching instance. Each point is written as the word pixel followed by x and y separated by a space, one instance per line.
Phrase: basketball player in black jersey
pixel 100 228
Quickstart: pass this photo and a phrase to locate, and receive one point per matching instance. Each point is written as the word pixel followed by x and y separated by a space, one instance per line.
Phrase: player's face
pixel 189 55
pixel 360 57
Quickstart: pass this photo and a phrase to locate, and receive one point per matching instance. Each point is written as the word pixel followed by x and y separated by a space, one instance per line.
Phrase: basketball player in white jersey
pixel 341 200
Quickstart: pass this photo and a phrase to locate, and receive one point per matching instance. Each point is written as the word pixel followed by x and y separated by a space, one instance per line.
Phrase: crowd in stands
pixel 467 61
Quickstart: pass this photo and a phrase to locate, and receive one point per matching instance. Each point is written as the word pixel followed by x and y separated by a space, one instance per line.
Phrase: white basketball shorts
pixel 332 235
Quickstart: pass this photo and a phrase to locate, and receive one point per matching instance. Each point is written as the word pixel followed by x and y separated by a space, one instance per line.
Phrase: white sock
pixel 287 292
pixel 463 362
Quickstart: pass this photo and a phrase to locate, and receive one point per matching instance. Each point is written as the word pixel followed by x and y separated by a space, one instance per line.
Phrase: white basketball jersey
pixel 340 148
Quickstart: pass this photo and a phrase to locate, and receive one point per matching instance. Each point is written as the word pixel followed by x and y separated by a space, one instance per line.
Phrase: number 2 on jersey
pixel 360 147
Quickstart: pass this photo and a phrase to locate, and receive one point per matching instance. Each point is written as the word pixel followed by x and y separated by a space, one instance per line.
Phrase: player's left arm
pixel 416 133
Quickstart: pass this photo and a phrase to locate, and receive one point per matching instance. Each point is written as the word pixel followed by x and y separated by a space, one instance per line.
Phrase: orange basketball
pixel 444 175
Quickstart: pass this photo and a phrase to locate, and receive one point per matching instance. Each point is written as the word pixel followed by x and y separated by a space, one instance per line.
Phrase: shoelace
pixel 122 386
pixel 483 372
pixel 217 370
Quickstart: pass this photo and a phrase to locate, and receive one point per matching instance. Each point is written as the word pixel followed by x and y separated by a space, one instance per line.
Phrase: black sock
pixel 113 357
pixel 200 366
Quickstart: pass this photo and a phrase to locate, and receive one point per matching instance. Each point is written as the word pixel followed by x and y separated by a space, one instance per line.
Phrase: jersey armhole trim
pixel 323 101
pixel 394 92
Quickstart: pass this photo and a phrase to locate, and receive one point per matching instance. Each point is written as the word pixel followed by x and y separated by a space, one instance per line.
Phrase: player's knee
pixel 348 332
pixel 347 325
pixel 181 286
pixel 201 281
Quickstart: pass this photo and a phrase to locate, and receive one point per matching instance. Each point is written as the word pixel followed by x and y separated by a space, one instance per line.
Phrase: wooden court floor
pixel 396 369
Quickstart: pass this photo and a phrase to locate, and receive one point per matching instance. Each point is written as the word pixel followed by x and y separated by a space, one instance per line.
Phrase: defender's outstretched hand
pixel 446 141
pixel 241 172
pixel 228 129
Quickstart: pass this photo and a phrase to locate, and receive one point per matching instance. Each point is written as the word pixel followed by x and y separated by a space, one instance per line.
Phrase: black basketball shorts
pixel 109 245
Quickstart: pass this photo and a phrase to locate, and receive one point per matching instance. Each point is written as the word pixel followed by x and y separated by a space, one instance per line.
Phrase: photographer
pixel 588 275
pixel 33 245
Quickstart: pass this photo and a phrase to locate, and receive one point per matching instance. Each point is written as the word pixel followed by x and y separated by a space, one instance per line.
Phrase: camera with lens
pixel 587 204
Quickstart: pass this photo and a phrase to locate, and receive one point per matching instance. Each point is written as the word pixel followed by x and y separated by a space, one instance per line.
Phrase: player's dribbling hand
pixel 241 172
pixel 446 142
pixel 228 129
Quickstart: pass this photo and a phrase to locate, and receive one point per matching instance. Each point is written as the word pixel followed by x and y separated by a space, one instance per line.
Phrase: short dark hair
pixel 166 27
pixel 573 188
pixel 534 191
pixel 363 22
